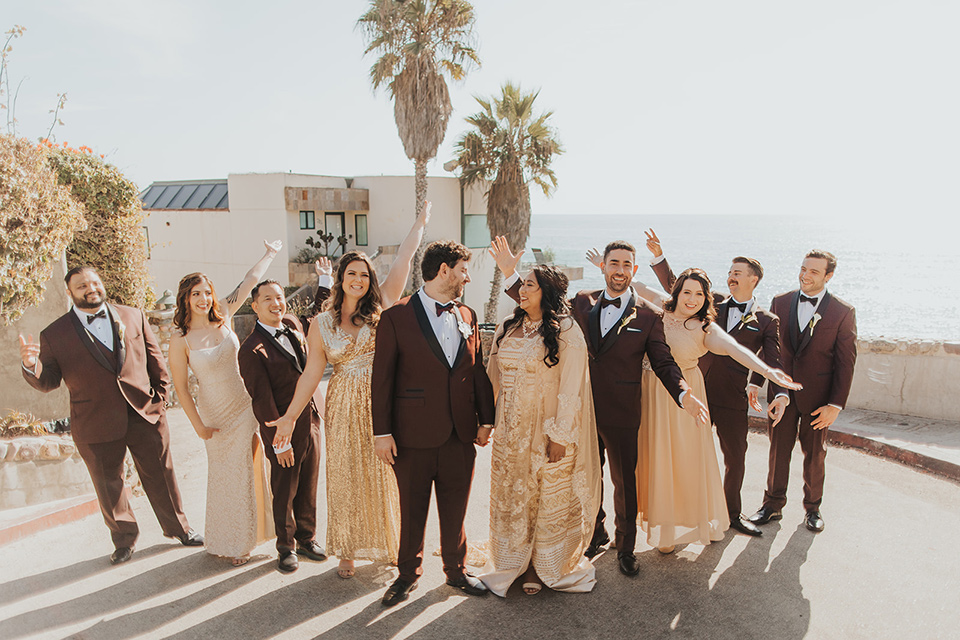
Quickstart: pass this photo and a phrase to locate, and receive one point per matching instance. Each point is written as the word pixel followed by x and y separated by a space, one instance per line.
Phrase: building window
pixel 146 239
pixel 475 232
pixel 306 220
pixel 361 222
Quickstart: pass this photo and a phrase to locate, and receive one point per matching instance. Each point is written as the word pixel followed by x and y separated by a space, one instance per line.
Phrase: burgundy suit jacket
pixel 417 397
pixel 725 378
pixel 616 361
pixel 821 359
pixel 101 391
pixel 270 374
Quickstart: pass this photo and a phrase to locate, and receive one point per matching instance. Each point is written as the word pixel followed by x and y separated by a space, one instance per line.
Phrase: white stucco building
pixel 218 226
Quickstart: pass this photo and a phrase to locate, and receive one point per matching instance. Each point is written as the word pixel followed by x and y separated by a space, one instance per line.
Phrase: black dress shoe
pixel 121 554
pixel 398 592
pixel 312 550
pixel 469 585
pixel 765 515
pixel 191 539
pixel 596 545
pixel 813 521
pixel 628 563
pixel 288 562
pixel 744 526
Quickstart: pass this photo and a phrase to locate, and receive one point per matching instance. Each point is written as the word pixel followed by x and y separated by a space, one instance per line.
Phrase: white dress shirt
pixel 610 315
pixel 445 326
pixel 101 328
pixel 734 315
pixel 282 339
pixel 325 281
pixel 806 311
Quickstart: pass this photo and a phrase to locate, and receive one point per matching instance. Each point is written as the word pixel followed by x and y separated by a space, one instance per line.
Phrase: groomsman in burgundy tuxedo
pixel 271 361
pixel 111 363
pixel 728 392
pixel 620 328
pixel 818 339
pixel 431 402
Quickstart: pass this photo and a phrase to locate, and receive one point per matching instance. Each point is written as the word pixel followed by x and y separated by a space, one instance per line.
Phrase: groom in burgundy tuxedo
pixel 271 361
pixel 112 365
pixel 431 402
pixel 818 339
pixel 728 392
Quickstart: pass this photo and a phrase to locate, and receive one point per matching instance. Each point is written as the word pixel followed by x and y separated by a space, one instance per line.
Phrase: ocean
pixel 902 276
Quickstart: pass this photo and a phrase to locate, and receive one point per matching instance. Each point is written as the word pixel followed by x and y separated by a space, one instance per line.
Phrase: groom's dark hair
pixel 255 292
pixel 618 244
pixel 445 252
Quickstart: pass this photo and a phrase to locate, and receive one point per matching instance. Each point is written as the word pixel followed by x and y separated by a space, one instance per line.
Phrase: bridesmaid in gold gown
pixel 681 496
pixel 545 467
pixel 363 505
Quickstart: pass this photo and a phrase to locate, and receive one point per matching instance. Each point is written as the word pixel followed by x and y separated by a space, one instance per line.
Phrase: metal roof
pixel 188 194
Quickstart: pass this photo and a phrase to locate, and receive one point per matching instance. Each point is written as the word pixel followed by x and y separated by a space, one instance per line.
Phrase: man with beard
pixel 620 328
pixel 728 392
pixel 111 363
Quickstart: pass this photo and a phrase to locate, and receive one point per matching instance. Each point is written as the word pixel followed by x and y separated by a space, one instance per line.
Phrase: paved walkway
pixel 885 567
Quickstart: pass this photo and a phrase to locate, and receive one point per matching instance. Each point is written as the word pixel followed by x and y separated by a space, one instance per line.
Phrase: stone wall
pixel 911 377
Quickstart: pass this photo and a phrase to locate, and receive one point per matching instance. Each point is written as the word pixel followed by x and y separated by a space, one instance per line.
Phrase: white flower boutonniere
pixel 747 319
pixel 813 322
pixel 121 329
pixel 626 319
pixel 465 329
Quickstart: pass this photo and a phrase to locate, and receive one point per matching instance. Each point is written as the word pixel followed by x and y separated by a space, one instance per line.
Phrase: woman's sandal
pixel 532 588
pixel 240 561
pixel 666 550
pixel 345 572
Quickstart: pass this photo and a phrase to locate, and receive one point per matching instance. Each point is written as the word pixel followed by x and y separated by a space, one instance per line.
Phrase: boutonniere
pixel 465 329
pixel 813 322
pixel 121 329
pixel 747 319
pixel 626 319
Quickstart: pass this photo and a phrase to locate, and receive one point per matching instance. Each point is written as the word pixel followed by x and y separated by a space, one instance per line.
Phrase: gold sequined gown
pixel 363 505
pixel 540 511
pixel 680 490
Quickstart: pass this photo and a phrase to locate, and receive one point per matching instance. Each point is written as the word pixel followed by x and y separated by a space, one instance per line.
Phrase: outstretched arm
pixel 656 296
pixel 719 341
pixel 238 296
pixel 396 280
pixel 306 386
pixel 179 359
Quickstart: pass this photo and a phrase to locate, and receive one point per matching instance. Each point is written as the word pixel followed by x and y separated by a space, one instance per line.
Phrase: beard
pixel 86 301
pixel 618 288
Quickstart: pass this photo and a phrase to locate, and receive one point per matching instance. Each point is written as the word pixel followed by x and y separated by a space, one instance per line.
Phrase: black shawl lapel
pixel 723 314
pixel 463 342
pixel 807 333
pixel 87 340
pixel 593 324
pixel 427 329
pixel 119 343
pixel 794 329
pixel 279 347
pixel 614 334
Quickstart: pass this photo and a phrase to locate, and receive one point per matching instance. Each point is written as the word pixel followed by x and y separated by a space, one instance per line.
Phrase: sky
pixel 827 108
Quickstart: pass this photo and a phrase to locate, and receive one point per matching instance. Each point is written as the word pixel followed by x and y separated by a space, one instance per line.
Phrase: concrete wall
pixel 15 393
pixel 911 377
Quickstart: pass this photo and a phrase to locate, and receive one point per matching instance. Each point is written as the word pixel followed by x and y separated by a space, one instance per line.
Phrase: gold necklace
pixel 529 328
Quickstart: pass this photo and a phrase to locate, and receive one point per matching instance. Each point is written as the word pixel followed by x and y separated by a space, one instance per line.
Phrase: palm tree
pixel 509 147
pixel 418 41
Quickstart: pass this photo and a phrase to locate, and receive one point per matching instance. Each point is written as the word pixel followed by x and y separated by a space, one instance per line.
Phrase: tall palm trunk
pixel 420 182
pixel 490 311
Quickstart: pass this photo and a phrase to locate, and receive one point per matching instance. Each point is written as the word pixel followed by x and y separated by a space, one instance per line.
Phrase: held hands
pixel 505 259
pixel 323 267
pixel 386 448
pixel 273 248
pixel 696 409
pixel 483 436
pixel 653 243
pixel 825 416
pixel 424 217
pixel 29 351
pixel 555 452
pixel 594 257
pixel 776 408
pixel 284 427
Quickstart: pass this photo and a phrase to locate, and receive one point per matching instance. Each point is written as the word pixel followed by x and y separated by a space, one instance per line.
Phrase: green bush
pixel 38 218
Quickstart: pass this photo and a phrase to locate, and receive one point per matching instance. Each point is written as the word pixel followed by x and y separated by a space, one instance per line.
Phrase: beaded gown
pixel 680 489
pixel 542 512
pixel 238 514
pixel 363 504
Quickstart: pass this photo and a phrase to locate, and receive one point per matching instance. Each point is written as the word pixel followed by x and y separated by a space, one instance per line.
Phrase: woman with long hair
pixel 545 467
pixel 363 504
pixel 238 515
pixel 680 493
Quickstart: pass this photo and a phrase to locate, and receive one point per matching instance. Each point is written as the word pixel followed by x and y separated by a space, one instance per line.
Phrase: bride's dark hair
pixel 553 306
pixel 706 314
pixel 369 307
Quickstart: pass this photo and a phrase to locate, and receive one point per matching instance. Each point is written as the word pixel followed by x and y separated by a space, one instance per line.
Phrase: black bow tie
pixel 606 302
pixel 443 307
pixel 284 331
pixel 100 314
pixel 738 305
pixel 812 301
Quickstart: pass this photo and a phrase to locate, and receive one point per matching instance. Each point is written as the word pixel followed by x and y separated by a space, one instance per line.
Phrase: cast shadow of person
pixel 116 597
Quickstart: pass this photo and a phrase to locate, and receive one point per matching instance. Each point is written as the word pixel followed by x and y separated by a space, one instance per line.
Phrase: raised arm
pixel 38 366
pixel 306 386
pixel 396 280
pixel 179 359
pixel 656 296
pixel 238 296
pixel 719 341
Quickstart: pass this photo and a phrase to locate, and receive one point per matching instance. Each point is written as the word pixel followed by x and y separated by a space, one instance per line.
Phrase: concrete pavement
pixel 885 567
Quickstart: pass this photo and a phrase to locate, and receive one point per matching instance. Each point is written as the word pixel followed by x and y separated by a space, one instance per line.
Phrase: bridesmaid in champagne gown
pixel 238 514
pixel 363 504
pixel 681 496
